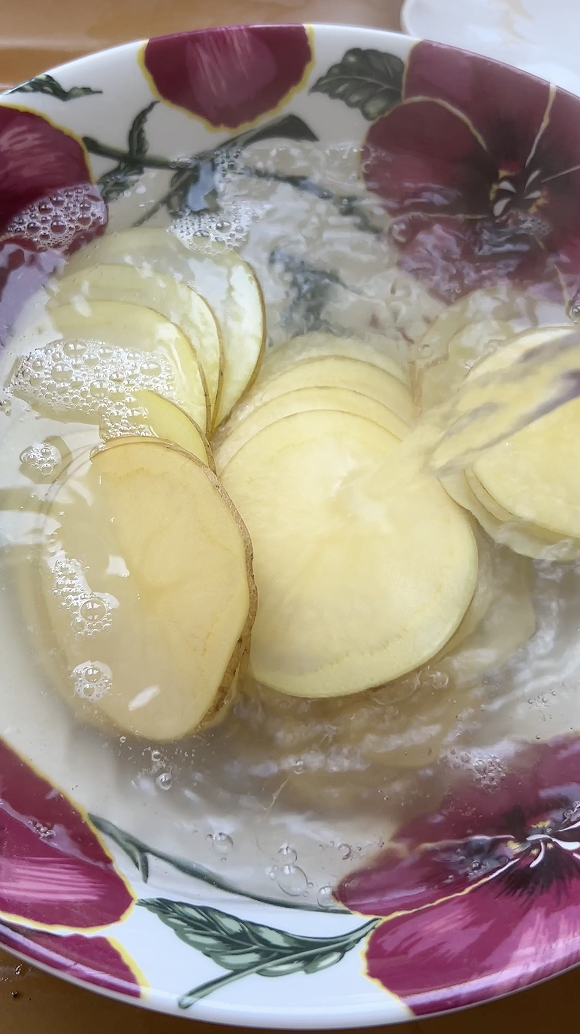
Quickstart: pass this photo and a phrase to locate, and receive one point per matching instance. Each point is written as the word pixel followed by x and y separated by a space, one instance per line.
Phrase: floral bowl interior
pixel 400 854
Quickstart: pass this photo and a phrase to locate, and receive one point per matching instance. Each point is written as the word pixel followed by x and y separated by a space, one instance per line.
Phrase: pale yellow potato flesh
pixel 144 286
pixel 353 592
pixel 133 327
pixel 168 421
pixel 473 341
pixel 163 599
pixel 526 539
pixel 311 346
pixel 231 438
pixel 227 283
pixel 341 372
pixel 533 475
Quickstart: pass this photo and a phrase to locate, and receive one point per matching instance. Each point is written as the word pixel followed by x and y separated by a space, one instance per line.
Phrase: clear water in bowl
pixel 286 795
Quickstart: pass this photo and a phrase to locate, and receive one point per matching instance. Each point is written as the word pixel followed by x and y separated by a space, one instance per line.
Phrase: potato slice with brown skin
pixel 236 433
pixel 228 284
pixel 141 330
pixel 144 286
pixel 341 372
pixel 159 599
pixel 353 591
pixel 170 422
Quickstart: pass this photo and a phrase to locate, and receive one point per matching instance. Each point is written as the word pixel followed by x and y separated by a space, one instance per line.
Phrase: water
pixel 311 788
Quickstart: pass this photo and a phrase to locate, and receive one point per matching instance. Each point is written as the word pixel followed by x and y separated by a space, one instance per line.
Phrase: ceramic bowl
pixel 143 873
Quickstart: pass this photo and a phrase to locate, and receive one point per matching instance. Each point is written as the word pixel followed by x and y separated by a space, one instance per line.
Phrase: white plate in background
pixel 539 36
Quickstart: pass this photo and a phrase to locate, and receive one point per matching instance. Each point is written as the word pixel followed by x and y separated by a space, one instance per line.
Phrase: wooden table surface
pixel 36 35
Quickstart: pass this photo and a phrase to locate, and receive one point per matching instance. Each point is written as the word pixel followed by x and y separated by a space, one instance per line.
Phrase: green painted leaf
pixel 116 181
pixel 309 290
pixel 48 84
pixel 137 138
pixel 126 842
pixel 244 948
pixel 365 79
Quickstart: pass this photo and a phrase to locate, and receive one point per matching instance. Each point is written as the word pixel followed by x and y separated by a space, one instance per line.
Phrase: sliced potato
pixel 226 282
pixel 145 286
pixel 168 421
pixel 473 341
pixel 353 591
pixel 526 539
pixel 311 346
pixel 147 586
pixel 231 438
pixel 140 330
pixel 341 372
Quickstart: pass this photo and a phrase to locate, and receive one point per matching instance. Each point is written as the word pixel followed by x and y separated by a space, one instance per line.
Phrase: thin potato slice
pixel 227 283
pixel 230 439
pixel 140 330
pixel 147 586
pixel 474 341
pixel 523 538
pixel 175 301
pixel 353 591
pixel 168 421
pixel 316 344
pixel 342 372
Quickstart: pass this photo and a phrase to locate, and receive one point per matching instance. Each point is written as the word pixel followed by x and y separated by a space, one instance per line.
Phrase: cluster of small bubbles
pixel 41 460
pixel 232 231
pixel 90 612
pixel 288 854
pixel 5 404
pixel 92 680
pixel 292 880
pixel 164 780
pixel 94 379
pixel 324 897
pixel 271 872
pixel 71 214
pixel 44 832
pixel 221 843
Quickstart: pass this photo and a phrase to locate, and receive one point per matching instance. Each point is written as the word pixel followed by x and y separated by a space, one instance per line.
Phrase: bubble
pixel 156 756
pixel 292 880
pixel 345 851
pixel 122 739
pixel 150 368
pixel 99 389
pixel 74 349
pixel 288 853
pixel 92 680
pixel 324 897
pixel 44 832
pixel 164 780
pixel 221 843
pixel 298 767
pixel 439 679
pixel 40 459
pixel 94 609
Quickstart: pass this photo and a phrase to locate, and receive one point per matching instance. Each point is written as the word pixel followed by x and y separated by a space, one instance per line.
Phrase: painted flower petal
pixel 229 76
pixel 505 106
pixel 422 157
pixel 398 883
pixel 94 960
pixel 53 869
pixel 36 158
pixel 455 256
pixel 485 943
pixel 23 271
